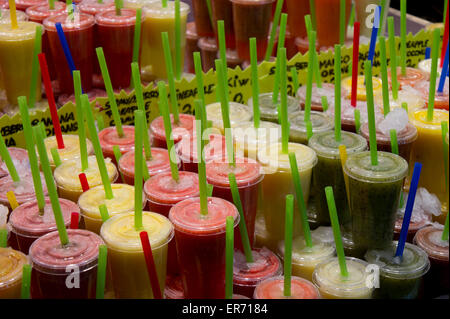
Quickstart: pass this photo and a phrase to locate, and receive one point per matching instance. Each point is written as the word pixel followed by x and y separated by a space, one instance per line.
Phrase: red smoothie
pixel 24 4
pixel 24 190
pixel 108 138
pixel 296 10
pixel 202 19
pixel 223 10
pixel 20 159
pixel 414 227
pixel 174 287
pixel 273 288
pixel 184 127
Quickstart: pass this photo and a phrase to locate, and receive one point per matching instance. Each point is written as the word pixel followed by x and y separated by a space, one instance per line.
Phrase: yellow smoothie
pixel 68 182
pixel 11 264
pixel 261 234
pixel 361 88
pixel 239 113
pixel 126 257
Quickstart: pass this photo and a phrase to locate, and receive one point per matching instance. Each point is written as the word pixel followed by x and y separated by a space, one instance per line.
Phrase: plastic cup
pixel 326 90
pixel 24 190
pixel 68 182
pixel 252 19
pixel 273 288
pixel 238 113
pixel 246 276
pixel 200 241
pixel 327 17
pixel 208 49
pixel 366 21
pixel 192 38
pixel 4 4
pixel 411 96
pixel 89 201
pixel 27 225
pixel 248 180
pixel 16 59
pixel 174 287
pixel 425 66
pixel 80 38
pixel 261 235
pixel 278 183
pixel 327 277
pixel 6 19
pixel 184 127
pixel 268 111
pixel 202 19
pixel 11 262
pixel 93 7
pixel 412 77
pixel 437 279
pixel 126 257
pixel 328 172
pixel 24 4
pixel 374 193
pixel 20 160
pixel 400 278
pixel 296 11
pixel 414 227
pixel 223 10
pixel 441 100
pixel 361 88
pixel 109 137
pixel 320 122
pixel 53 264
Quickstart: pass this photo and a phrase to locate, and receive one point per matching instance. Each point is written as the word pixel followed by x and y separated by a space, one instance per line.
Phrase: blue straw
pixel 373 39
pixel 443 73
pixel 65 46
pixel 409 209
pixel 427 53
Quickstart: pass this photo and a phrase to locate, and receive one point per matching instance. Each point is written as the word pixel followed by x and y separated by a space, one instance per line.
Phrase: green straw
pixel 229 248
pixel 164 109
pixel 138 161
pixel 433 75
pixel 384 76
pixel 282 34
pixel 312 10
pixel 80 120
pixel 444 130
pixel 171 78
pixel 199 77
pixel 177 41
pixel 164 3
pixel 109 91
pixel 201 163
pixel 371 113
pixel 337 93
pixel 29 143
pixel 351 19
pixel 288 245
pixel 393 55
pixel 35 65
pixel 276 84
pixel 309 77
pixel 403 36
pixel 26 282
pixel 103 212
pixel 242 225
pixel 209 189
pixel 118 155
pixel 222 43
pixel 51 187
pixel 445 231
pixel 3 238
pixel 137 35
pixel 300 199
pixel 283 108
pixel 336 230
pixel 382 24
pixel 405 106
pixel 222 87
pixel 295 83
pixel 357 120
pixel 118 5
pixel 394 142
pixel 324 103
pixel 255 82
pixel 97 148
pixel 101 272
pixel 208 5
pixel 309 130
pixel 100 122
pixel 316 69
pixel 55 156
pixel 51 4
pixel 445 11
pixel 8 160
pixel 273 32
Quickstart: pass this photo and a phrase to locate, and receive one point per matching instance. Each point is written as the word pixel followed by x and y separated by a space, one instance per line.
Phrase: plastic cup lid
pixel 325 145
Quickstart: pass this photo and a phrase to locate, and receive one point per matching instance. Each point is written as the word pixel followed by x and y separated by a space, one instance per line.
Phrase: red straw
pixel 355 62
pixel 84 182
pixel 51 99
pixel 444 40
pixel 74 220
pixel 150 265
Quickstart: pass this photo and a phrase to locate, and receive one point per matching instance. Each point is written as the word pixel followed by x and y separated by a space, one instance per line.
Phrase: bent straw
pixel 101 272
pixel 371 113
pixel 74 219
pixel 26 282
pixel 35 65
pixel 273 32
pixel 80 120
pixel 118 155
pixel 342 24
pixel 151 268
pixel 229 249
pixel 288 244
pixel 138 162
pixel 392 57
pixel 384 76
pixel 13 14
pixel 103 212
pixel 12 200
pixel 3 238
pixel 255 82
pixel 337 93
pixel 403 36
pixel 171 78
pixel 55 156
pixel 201 163
pixel 178 70
pixel 8 160
pixel 283 106
pixel 434 60
pixel 355 63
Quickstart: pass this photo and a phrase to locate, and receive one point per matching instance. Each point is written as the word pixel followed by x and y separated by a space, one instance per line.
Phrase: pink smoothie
pixel 24 4
pixel 108 138
pixel 20 159
pixel 183 128
pixel 93 7
pixel 273 288
pixel 24 190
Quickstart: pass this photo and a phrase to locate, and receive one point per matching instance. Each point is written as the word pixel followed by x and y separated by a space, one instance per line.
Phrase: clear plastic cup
pixel 184 127
pixel 412 77
pixel 320 122
pixel 23 190
pixel 93 7
pixel 20 160
pixel 174 287
pixel 296 10
pixel 208 48
pixel 261 234
pixel 109 138
pixel 411 96
pixel 327 17
pixel 12 262
pixel 238 113
pixel 202 18
pixel 441 99
pixel 223 10
pixel 273 288
pixel 268 111
pixel 326 90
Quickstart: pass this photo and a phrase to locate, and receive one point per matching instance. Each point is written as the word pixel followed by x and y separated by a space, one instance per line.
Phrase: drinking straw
pixel 355 62
pixel 229 247
pixel 309 130
pixel 100 122
pixel 199 76
pixel 230 147
pixel 443 72
pixel 337 93
pixel 51 4
pixel 392 54
pixel 164 3
pixel 312 10
pixel 403 36
pixel 222 43
pixel 300 199
pixel 118 7
pixel 394 142
pixel 164 109
pixel 35 65
pixel 434 58
pixel 55 156
pixel 45 164
pixel 309 77
pixel 171 78
pixel 26 282
pixel 74 218
pixel 445 38
pixel 444 130
pixel 409 209
pixel 12 200
pixel 405 106
pixel 324 103
pixel 276 84
pixel 282 33
pixel 255 82
pixel 69 7
pixel 118 155
pixel 295 83
pixel 101 272
pixel 373 39
pixel 138 161
pixel 137 35
pixel 8 160
pixel 151 268
pixel 343 156
pixel 242 226
pixel 84 182
pixel 201 163
pixel 288 244
pixel 103 212
pixel 382 11
pixel 351 19
pixel 80 120
pixel 97 148
pixel 177 41
pixel 222 88
pixel 273 32
pixel 65 46
pixel 336 231
pixel 283 108
pixel 445 231
pixel 384 76
pixel 3 238
pixel 342 25
pixel 12 14
pixel 316 69
pixel 209 189
pixel 371 113
pixel 427 52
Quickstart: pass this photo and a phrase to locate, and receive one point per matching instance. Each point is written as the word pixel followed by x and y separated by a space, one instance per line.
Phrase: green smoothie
pixel 269 111
pixel 319 122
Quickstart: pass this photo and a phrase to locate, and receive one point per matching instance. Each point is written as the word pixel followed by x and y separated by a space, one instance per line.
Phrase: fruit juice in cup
pixel 238 113
pixel 441 99
pixel 24 190
pixel 328 172
pixel 184 127
pixel 278 183
pixel 202 19
pixel 126 256
pixel 428 150
pixel 326 90
pixel 430 240
pixel 191 46
pixel 374 193
pixel 248 180
pixel 327 17
pixel 89 201
pixel 11 265
pixel 320 122
pixel 16 59
pixel 115 34
pixel 79 33
pixel 20 160
pixel 109 137
pixel 200 241
pixel 50 263
pixel 252 19
pixel 296 10
pixel 93 7
pixel 24 4
pixel 246 276
pixel 414 226
pixel 208 49
pixel 157 20
pixel 361 88
pixel 365 16
pixel 27 225
pixel 412 77
pixel 268 111
pixel 412 96
pixel 273 288
pixel 327 277
pixel 68 182
pixel 400 277
pixel 223 10
pixel 174 287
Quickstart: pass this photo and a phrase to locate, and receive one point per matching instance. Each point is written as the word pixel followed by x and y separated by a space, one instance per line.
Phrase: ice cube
pixel 397 120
